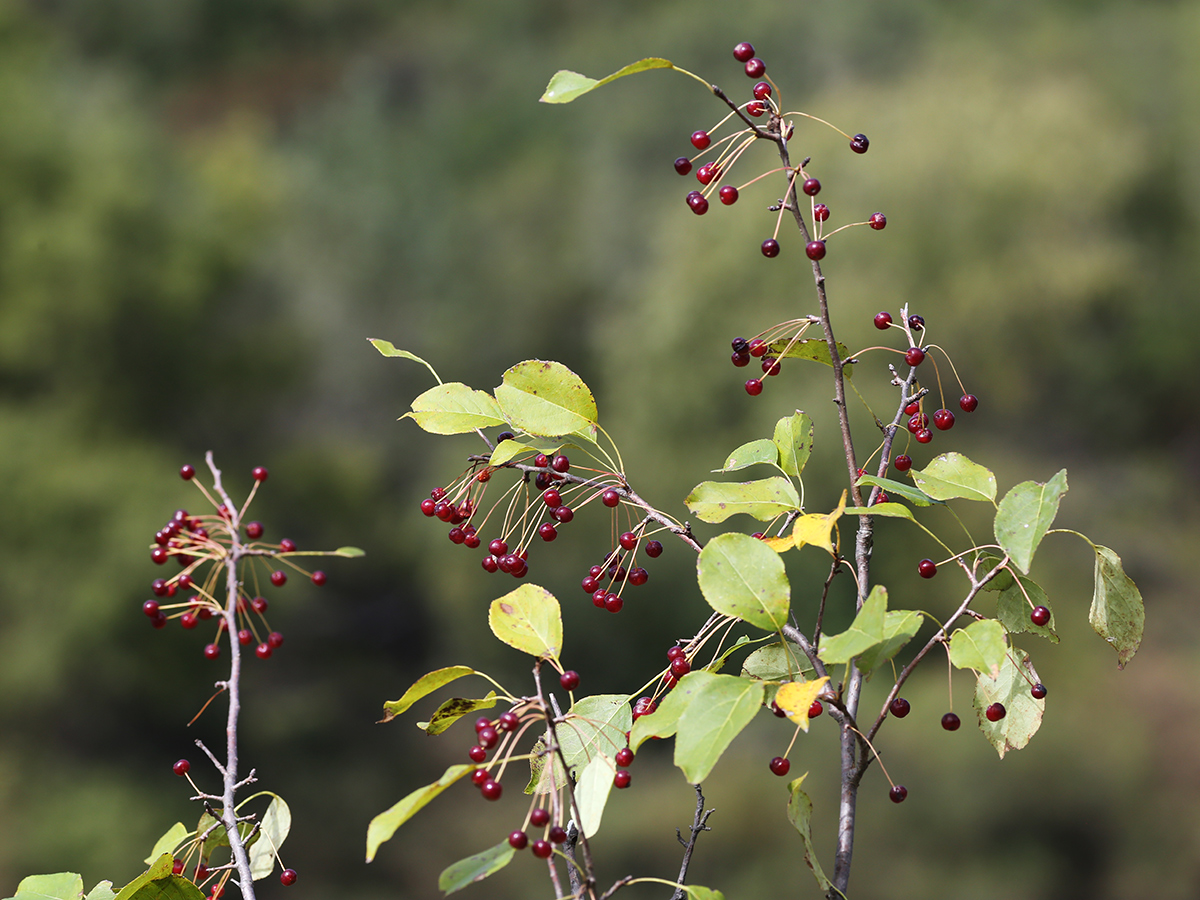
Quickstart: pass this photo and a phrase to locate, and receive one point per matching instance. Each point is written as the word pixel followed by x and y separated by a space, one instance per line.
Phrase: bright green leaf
pixel 664 721
pixel 565 85
pixel 777 662
pixel 1024 516
pixel 346 552
pixel 891 510
pixel 61 886
pixel 167 843
pixel 1117 613
pixel 157 883
pixel 739 576
pixel 387 348
pixel 476 868
pixel 1023 714
pixel 719 663
pixel 594 725
pixel 454 408
pixel 815 349
pixel 453 710
pixel 422 687
pixel 720 706
pixel 1016 602
pixel 695 892
pixel 794 440
pixel 979 646
pixel 899 627
pixel 276 823
pixel 384 825
pixel 529 620
pixel 898 489
pixel 799 813
pixel 952 476
pixel 760 451
pixel 591 792
pixel 716 501
pixel 546 399
pixel 514 447
pixel 102 891
pixel 864 632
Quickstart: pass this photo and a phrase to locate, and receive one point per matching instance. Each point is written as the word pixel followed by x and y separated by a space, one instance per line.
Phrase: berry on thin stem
pixel 181 767
pixel 622 779
pixel 950 722
pixel 927 568
pixel 683 165
pixel 780 766
pixel 260 473
pixel 754 387
pixel 287 877
pixel 898 793
pixel 743 52
pixel 859 143
pixel 770 248
pixel 883 320
pixel 995 712
pixel 878 221
pixel 968 402
pixel 755 68
pixel 900 707
pixel 1038 691
pixel 701 140
pixel 187 472
pixel 815 250
pixel 569 680
pixel 1040 616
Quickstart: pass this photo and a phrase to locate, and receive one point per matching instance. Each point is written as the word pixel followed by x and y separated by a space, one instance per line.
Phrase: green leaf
pixel 166 844
pixel 276 823
pixel 1013 609
pixel 1023 714
pixel 664 721
pixel 347 552
pixel 864 632
pixel 1024 516
pixel 102 891
pixel 695 892
pixel 794 439
pixel 454 408
pixel 717 708
pixel 591 792
pixel 384 825
pixel 157 883
pixel 475 868
pixel 565 85
pixel 753 453
pixel 740 576
pixel 62 886
pixel 1117 613
pixel 891 510
pixel 777 662
pixel 799 813
pixel 899 627
pixel 815 349
pixel 716 501
pixel 979 646
pixel 952 476
pixel 529 620
pixel 719 663
pixel 594 725
pixel 546 398
pixel 541 779
pixel 899 489
pixel 387 348
pixel 514 447
pixel 453 710
pixel 422 687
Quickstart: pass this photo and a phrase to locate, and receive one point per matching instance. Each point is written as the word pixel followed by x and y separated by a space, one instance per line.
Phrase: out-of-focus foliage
pixel 207 206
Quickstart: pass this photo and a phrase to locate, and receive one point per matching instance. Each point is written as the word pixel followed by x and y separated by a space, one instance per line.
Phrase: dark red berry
pixel 564 514
pixel 543 480
pixel 150 607
pixel 489 564
pixel 477 754
pixel 698 203
pixel 700 140
pixel 917 422
pixel 187 473
pixel 898 793
pixel 541 460
pixel 815 250
pixel 260 473
pixel 557 834
pixel 762 91
pixel 498 547
pixel 770 365
pixel 705 175
pixel 159 555
pixel 1040 616
pixel 821 212
pixel 279 578
pixel 263 651
pixel 943 419
pixel 924 436
pixel 680 666
pixel 547 532
pixel 683 165
pixel 755 68
pixel 287 877
pixel 518 840
pixel 624 757
pixel 539 817
pixel 728 194
pixel 542 849
pixel 560 464
pixel 780 766
pixel 509 721
pixel 1038 691
pixel 491 790
pixel 950 722
pixel 590 584
pixel 472 540
pixel 675 652
pixel 479 776
pixel 883 320
pixel 287 546
pixel 177 867
pixel 927 568
pixel 654 549
pixel 259 605
pixel 758 347
pixel 912 409
pixel 628 540
pixel 598 597
pixel 610 498
pixel 995 712
pixel 427 506
pixel 899 707
pixel 613 603
pixel 245 637
pixel 756 108
pixel 188 620
pixel 181 767
pixel 754 387
pixel 481 723
pixel 816 709
pixel 740 345
pixel 212 651
pixel 275 640
pixel 859 143
pixel 638 576
pixel 878 221
pixel 622 779
pixel 914 356
pixel 902 463
pixel 968 402
pixel 770 248
pixel 569 680
pixel 488 736
pixel 254 530
pixel 916 323
pixel 743 51
pixel 811 186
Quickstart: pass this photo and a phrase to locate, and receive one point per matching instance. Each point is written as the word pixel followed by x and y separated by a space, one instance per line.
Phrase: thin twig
pixel 699 824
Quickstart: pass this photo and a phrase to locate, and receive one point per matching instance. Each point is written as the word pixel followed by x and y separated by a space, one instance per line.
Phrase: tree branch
pixel 699 824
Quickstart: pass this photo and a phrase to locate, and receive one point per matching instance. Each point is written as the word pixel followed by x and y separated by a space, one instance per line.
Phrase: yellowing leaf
pixel 817 528
pixel 796 697
pixel 545 398
pixel 766 499
pixel 1023 714
pixel 529 620
pixel 1117 613
pixel 454 408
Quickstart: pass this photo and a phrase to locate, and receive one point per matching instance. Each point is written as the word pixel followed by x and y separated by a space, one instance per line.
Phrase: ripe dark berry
pixel 613 603
pixel 479 776
pixel 815 250
pixel 902 463
pixel 1040 615
pixel 924 436
pixel 489 564
pixel 177 867
pixel 898 793
pixel 541 460
pixel 743 51
pixel 675 652
pixel 278 578
pixel 477 754
pixel 762 91
pixel 917 422
pixel 287 546
pixel 569 680
pixel 758 347
pixel 683 165
pixel 159 587
pixel 542 849
pixel 811 186
pixel 187 473
pixel 950 722
pixel 254 530
pixel 705 175
pixel 287 877
pixel 518 840
pixel 188 620
pixel 914 356
pixel 472 540
pixel 883 320
pixel 698 204
pixel 821 212
pixel 644 707
pixel 181 767
pixel 150 607
pixel 263 651
pixel 680 666
pixel 481 723
pixel 624 757
pixel 816 709
pixel 628 540
pixel 754 387
pixel 653 549
pixel 770 365
pixel 728 194
pixel 543 480
pixel 590 584
pixel 755 68
pixel 780 766
pixel 916 323
pixel 504 436
pixel 427 506
pixel 488 736
pixel 245 637
pixel 509 721
pixel 547 532
pixel 275 640
pixel 564 514
pixel 995 712
pixel 1038 691
pixel 899 707
pixel 159 555
pixel 598 597
pixel 859 143
pixel 927 568
pixel 498 547
pixel 700 140
pixel 557 834
pixel 878 221
pixel 770 248
pixel 756 108
pixel 943 419
pixel 610 498
pixel 491 790
pixel 740 345
pixel 259 605
pixel 560 464
pixel 638 576
pixel 539 817
pixel 622 779
pixel 212 651
pixel 260 473
pixel 968 402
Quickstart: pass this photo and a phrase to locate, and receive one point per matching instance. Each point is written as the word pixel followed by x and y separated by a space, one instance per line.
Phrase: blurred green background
pixel 206 206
